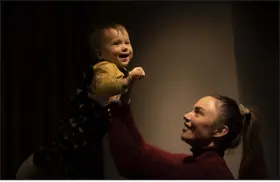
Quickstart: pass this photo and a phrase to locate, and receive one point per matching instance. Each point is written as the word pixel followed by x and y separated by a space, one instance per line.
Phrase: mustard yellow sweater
pixel 106 82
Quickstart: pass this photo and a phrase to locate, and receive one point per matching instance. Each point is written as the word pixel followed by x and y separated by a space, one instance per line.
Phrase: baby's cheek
pixel 116 52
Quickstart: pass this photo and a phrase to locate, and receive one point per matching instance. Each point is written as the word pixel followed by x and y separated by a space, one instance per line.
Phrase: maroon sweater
pixel 136 159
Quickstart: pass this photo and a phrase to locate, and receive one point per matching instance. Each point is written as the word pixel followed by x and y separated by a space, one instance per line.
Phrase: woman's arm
pixel 134 158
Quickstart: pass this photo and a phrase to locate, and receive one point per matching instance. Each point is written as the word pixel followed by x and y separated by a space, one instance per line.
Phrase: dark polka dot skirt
pixel 77 151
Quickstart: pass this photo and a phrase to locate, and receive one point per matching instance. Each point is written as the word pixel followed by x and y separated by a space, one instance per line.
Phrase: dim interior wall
pixel 187 51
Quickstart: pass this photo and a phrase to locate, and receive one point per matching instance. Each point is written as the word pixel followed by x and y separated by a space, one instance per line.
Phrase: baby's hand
pixel 137 73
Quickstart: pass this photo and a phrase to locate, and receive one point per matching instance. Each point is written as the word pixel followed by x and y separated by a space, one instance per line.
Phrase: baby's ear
pixel 98 54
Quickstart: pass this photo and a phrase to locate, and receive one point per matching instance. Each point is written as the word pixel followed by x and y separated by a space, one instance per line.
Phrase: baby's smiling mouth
pixel 123 55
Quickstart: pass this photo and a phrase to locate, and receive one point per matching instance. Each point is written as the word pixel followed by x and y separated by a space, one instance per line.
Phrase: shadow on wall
pixel 256 32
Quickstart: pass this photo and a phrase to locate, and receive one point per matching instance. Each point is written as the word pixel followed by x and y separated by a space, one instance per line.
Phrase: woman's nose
pixel 187 117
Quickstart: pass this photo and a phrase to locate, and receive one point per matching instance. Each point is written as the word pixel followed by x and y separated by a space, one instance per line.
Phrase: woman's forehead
pixel 207 103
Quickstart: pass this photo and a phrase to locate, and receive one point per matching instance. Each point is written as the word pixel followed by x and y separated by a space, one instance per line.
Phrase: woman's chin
pixel 186 138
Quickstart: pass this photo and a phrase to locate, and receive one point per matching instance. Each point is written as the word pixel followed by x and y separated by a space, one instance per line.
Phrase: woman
pixel 215 125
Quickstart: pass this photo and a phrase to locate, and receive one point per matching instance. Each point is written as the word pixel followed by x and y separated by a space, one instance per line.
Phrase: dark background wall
pixel 188 50
pixel 256 32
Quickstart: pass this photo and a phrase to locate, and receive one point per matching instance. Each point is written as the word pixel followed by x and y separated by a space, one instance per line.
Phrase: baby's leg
pixel 28 170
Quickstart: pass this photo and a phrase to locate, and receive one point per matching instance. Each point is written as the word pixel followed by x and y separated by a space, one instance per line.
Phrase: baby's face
pixel 115 47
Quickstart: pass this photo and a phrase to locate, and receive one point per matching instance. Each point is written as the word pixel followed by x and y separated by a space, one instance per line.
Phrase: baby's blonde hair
pixel 95 36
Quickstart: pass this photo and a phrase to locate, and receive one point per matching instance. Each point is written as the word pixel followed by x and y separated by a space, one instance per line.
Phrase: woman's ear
pixel 221 131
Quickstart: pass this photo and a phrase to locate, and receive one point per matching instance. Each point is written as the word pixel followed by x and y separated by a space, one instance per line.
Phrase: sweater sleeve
pixel 134 158
pixel 107 79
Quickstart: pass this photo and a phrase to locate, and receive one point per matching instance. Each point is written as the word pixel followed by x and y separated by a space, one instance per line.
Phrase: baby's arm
pixel 108 79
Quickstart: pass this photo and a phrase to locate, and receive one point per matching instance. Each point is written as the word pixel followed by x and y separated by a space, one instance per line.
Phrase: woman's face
pixel 198 122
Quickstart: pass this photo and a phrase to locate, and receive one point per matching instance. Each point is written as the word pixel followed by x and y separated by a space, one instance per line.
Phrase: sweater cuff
pixel 116 109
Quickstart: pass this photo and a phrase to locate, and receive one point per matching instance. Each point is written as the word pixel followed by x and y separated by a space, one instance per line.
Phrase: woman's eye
pixel 198 112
